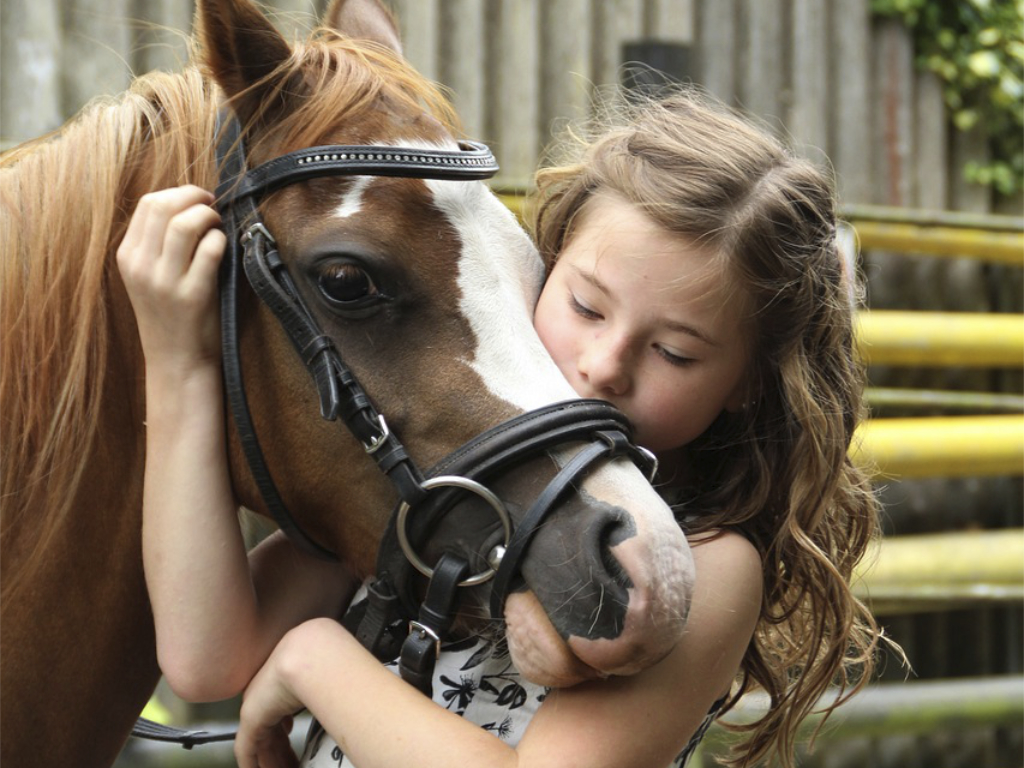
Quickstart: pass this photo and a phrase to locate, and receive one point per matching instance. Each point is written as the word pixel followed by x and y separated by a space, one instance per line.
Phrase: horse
pixel 427 286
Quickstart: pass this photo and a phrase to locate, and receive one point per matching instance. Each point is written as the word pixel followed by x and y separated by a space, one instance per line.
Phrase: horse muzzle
pixel 587 586
pixel 613 582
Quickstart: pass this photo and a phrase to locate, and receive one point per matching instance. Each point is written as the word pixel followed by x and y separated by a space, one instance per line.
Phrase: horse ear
pixel 241 48
pixel 364 20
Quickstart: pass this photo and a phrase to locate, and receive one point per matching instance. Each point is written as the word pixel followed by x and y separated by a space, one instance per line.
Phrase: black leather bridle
pixel 393 615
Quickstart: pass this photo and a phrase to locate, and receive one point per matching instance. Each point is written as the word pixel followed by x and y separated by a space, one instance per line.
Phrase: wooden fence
pixel 842 83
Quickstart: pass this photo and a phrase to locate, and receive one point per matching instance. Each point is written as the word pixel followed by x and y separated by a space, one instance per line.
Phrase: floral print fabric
pixel 475 679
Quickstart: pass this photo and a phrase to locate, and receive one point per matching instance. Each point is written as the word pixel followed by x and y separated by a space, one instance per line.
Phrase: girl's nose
pixel 604 364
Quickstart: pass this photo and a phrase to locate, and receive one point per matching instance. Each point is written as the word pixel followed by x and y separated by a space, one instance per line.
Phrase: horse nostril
pixel 580 571
pixel 612 533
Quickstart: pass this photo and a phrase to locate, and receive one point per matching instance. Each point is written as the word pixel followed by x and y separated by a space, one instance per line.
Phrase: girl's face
pixel 643 318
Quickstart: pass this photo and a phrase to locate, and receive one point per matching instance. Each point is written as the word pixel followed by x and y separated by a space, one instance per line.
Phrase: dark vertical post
pixel 649 66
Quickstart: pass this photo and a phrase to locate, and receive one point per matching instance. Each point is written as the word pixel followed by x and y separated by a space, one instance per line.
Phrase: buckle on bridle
pixel 621 445
pixel 424 632
pixel 374 445
pixel 652 462
pixel 255 229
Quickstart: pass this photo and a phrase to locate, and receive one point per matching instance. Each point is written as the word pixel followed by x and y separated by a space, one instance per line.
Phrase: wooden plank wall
pixel 842 84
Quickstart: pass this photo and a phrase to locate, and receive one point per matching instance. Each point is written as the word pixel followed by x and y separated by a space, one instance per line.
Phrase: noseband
pixel 383 623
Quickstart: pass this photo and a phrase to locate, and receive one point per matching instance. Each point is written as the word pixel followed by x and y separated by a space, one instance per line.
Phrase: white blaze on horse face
pixel 500 277
pixel 352 202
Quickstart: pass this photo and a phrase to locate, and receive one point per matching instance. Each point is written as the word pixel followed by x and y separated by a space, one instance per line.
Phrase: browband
pixel 471 162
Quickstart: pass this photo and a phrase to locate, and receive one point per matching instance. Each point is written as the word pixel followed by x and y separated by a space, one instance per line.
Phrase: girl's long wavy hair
pixel 779 471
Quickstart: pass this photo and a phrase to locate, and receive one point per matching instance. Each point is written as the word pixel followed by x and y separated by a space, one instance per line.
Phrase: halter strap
pixel 610 444
pixel 604 432
pixel 230 157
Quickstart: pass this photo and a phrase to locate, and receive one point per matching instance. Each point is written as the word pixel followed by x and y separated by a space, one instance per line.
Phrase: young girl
pixel 696 284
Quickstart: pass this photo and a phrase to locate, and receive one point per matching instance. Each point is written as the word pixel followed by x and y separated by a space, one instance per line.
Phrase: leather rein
pixel 392 621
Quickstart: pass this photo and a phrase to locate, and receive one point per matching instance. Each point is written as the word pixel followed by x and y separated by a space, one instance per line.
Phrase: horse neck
pixel 71 375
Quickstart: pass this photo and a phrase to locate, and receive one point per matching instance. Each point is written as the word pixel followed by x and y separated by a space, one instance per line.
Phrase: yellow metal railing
pixel 985 237
pixel 995 239
pixel 943 570
pixel 963 339
pixel 996 247
pixel 924 707
pixel 943 400
pixel 942 446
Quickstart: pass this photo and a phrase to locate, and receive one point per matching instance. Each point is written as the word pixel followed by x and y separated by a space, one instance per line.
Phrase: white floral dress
pixel 475 679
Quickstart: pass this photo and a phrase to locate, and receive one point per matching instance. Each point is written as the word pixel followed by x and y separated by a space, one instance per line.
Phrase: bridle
pixel 385 623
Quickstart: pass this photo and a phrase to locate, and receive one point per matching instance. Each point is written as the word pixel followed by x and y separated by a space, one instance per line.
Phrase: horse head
pixel 425 287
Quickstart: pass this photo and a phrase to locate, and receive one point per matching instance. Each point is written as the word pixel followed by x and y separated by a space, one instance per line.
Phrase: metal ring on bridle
pixel 468 485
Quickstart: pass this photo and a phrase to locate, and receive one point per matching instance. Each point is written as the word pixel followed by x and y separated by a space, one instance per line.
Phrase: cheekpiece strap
pixel 378 622
pixel 423 645
pixel 609 444
pixel 252 248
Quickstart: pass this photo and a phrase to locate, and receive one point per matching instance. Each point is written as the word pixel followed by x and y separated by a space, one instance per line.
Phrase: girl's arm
pixel 215 623
pixel 643 720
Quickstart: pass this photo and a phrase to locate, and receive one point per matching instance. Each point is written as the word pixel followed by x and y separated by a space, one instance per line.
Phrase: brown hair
pixel 779 471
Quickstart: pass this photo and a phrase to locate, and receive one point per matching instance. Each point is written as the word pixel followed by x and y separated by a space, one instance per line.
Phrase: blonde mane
pixel 65 200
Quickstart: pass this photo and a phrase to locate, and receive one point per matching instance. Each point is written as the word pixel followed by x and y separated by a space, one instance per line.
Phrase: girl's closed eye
pixel 673 358
pixel 582 309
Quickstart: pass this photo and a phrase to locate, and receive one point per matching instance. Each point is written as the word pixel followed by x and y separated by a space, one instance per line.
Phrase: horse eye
pixel 347 284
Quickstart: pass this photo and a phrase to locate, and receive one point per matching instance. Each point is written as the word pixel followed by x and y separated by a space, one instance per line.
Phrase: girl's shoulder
pixel 730 567
pixel 726 541
pixel 726 546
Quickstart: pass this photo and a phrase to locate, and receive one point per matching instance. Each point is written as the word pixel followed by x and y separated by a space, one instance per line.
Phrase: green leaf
pixel 965 119
pixel 989 37
pixel 984 64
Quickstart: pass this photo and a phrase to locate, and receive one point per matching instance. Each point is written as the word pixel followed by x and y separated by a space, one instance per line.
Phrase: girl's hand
pixel 168 260
pixel 265 719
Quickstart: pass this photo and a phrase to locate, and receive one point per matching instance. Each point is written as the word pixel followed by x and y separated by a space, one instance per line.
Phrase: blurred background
pixel 918 106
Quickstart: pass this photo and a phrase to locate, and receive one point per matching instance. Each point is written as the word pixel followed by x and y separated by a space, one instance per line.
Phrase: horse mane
pixel 64 206
pixel 65 201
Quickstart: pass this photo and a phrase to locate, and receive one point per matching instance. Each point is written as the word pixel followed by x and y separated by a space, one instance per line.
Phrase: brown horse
pixel 451 354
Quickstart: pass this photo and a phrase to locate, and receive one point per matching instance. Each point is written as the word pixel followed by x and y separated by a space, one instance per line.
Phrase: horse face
pixel 427 289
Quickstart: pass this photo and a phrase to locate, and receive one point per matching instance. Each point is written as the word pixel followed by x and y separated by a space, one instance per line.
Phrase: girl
pixel 696 284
